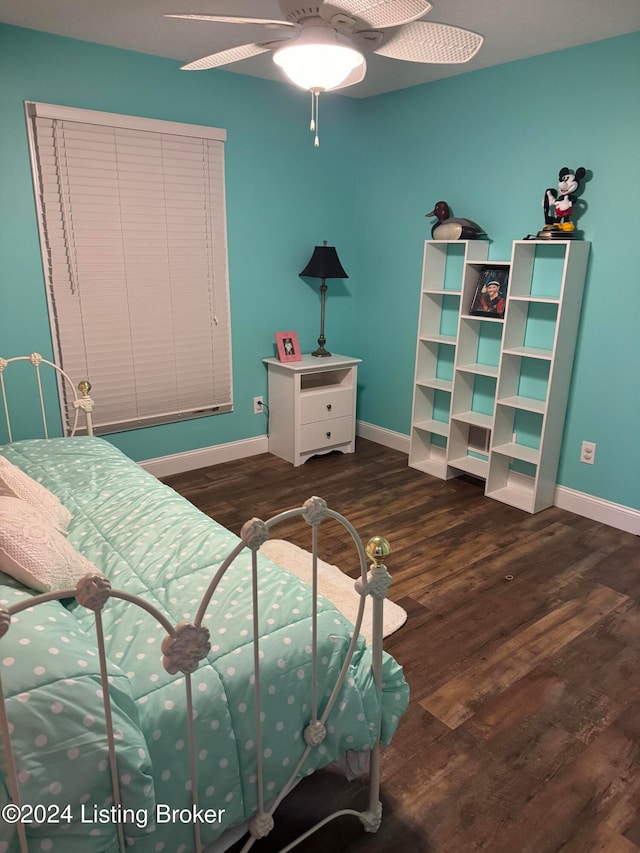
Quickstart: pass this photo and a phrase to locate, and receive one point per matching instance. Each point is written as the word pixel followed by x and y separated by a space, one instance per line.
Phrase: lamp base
pixel 321 352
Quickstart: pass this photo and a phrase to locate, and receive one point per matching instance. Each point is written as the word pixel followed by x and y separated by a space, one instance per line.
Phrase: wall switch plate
pixel 588 452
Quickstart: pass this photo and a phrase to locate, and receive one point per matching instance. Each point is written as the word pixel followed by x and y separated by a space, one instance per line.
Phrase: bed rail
pixel 79 402
pixel 188 643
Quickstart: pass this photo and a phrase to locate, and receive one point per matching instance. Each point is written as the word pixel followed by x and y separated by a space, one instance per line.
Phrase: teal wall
pixel 488 142
pixel 280 203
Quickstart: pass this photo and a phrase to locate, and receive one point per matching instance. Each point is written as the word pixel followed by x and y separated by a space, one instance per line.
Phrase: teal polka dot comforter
pixel 151 542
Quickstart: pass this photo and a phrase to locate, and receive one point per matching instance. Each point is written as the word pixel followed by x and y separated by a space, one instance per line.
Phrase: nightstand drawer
pixel 326 405
pixel 324 434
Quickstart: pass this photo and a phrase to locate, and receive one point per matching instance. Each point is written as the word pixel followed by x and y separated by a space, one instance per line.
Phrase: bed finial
pixel 379 580
pixel 378 548
pixel 86 404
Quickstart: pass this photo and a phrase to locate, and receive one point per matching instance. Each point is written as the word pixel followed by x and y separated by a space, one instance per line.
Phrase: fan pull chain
pixel 312 126
pixel 316 141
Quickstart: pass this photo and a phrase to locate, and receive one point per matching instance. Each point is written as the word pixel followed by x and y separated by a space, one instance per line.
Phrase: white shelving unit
pixel 493 403
pixel 440 297
pixel 475 378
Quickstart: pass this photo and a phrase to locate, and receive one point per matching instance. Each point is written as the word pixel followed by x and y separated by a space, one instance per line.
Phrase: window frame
pixel 34 110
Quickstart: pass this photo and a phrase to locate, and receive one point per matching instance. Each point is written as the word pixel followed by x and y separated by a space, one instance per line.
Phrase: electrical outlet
pixel 588 452
pixel 258 403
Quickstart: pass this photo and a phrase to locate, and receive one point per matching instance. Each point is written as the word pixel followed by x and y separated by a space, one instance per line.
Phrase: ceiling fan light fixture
pixel 318 59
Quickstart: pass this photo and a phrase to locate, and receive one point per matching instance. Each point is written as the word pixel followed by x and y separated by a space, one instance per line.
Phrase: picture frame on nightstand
pixel 288 346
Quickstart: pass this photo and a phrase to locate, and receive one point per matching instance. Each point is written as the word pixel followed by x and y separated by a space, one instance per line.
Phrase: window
pixel 133 234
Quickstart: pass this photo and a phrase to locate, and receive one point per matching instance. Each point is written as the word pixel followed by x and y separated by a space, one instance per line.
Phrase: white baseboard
pixel 385 437
pixel 606 512
pixel 597 509
pixel 177 463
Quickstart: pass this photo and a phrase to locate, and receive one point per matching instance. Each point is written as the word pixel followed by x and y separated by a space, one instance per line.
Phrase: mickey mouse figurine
pixel 561 202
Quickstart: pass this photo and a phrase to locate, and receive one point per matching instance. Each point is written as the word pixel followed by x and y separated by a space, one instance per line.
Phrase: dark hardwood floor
pixel 523 732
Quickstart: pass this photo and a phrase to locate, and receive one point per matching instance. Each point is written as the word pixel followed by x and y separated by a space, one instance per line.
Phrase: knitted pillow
pixel 16 484
pixel 34 552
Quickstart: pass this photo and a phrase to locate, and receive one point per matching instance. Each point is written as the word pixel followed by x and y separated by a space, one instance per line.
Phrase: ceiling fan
pixel 320 46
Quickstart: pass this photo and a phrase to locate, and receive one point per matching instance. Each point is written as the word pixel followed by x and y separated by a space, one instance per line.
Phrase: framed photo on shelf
pixel 288 346
pixel 490 296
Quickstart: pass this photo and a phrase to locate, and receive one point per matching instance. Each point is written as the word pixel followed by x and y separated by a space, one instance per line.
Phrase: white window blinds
pixel 133 233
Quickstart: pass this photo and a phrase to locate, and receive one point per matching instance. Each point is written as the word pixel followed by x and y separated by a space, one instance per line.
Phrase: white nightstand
pixel 312 406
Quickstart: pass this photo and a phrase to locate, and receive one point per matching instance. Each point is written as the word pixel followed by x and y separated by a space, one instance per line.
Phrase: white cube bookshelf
pixel 490 400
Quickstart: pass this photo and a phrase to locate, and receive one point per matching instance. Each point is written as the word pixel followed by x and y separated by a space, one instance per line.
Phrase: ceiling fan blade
pixel 225 57
pixel 376 13
pixel 357 75
pixel 232 19
pixel 423 41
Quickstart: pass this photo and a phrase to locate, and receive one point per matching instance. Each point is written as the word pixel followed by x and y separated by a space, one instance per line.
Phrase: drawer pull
pixel 328 435
pixel 328 407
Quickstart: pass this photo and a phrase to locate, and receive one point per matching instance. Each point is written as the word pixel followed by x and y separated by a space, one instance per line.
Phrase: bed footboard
pixel 185 650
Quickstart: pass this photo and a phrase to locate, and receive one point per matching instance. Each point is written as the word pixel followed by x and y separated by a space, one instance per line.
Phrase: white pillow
pixel 16 484
pixel 34 552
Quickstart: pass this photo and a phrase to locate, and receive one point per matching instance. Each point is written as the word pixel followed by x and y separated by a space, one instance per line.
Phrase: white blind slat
pixel 133 227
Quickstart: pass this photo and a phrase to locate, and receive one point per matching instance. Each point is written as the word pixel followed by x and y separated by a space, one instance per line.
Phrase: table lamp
pixel 324 264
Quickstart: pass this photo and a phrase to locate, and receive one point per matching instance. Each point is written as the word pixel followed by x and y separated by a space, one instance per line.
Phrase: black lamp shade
pixel 324 263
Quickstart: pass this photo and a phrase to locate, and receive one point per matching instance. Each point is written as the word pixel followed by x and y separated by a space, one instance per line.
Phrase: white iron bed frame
pixel 187 643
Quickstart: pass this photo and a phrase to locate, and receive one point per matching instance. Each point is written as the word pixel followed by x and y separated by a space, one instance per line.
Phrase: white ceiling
pixel 513 29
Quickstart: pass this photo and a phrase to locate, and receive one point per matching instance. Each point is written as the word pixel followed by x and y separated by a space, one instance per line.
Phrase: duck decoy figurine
pixel 452 227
